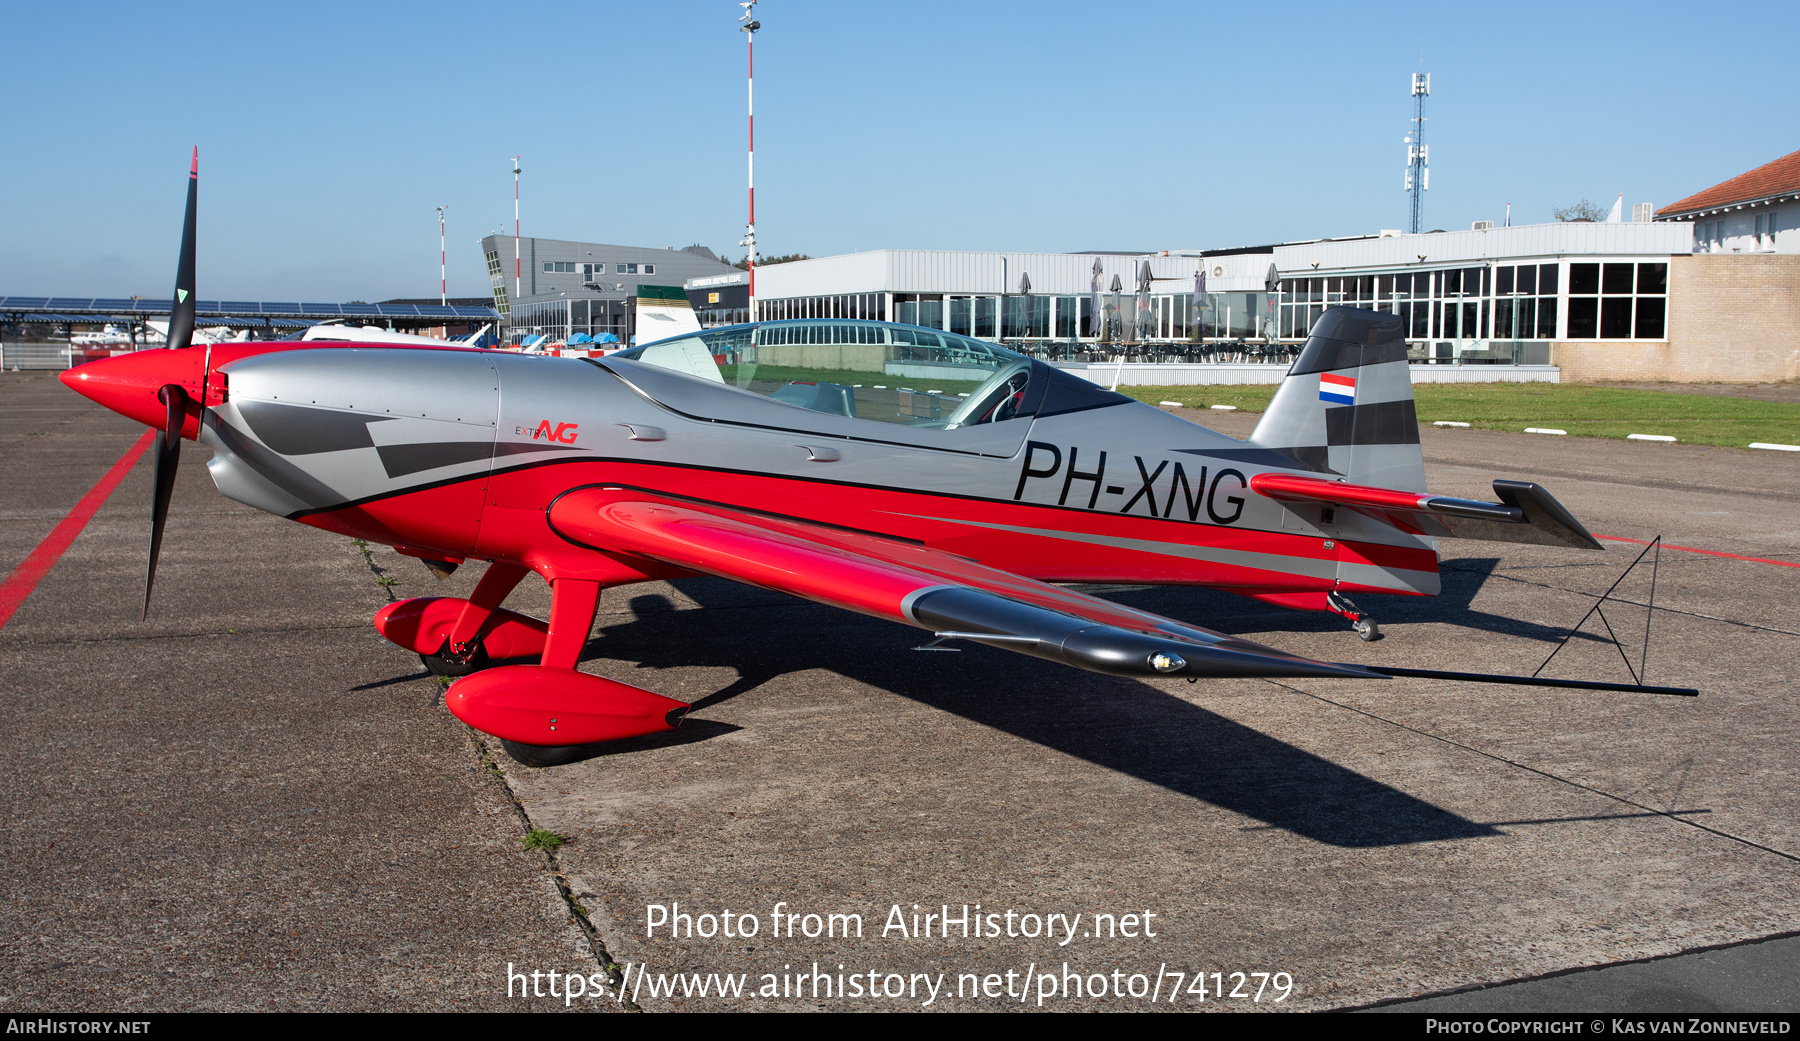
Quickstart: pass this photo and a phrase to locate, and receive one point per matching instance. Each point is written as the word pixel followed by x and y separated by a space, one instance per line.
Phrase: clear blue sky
pixel 329 132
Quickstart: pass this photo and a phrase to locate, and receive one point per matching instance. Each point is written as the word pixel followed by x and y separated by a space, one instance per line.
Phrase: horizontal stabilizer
pixel 1526 513
pixel 951 596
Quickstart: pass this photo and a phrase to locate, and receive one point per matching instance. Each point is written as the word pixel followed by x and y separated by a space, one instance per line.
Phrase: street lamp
pixel 443 276
pixel 749 240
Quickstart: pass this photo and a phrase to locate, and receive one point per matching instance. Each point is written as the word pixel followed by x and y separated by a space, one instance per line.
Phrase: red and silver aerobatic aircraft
pixel 907 473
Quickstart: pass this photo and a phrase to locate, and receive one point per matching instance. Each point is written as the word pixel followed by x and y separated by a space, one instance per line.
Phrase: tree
pixel 744 265
pixel 1583 211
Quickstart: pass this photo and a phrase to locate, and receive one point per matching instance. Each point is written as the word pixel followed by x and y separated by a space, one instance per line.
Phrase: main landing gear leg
pixel 573 603
pixel 1364 625
pixel 501 578
pixel 462 652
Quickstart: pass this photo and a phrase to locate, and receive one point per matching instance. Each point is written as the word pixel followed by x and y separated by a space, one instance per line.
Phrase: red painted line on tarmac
pixel 26 576
pixel 1684 549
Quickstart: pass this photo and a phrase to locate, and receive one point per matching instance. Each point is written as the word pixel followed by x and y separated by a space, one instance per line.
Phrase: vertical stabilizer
pixel 1346 406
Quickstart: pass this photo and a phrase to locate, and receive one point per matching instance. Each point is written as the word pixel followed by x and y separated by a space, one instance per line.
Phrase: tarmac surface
pixel 252 801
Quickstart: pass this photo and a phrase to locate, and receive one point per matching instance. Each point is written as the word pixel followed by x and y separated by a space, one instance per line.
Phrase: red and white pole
pixel 443 269
pixel 749 29
pixel 516 268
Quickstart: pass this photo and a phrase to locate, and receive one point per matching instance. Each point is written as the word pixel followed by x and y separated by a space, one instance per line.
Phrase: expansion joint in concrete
pixel 578 914
pixel 200 634
pixel 1661 609
pixel 1672 815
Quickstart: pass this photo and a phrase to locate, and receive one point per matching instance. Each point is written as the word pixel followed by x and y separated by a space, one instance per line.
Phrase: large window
pixel 1618 301
pixel 1525 301
pixel 914 309
pixel 1026 318
pixel 1234 316
pixel 868 306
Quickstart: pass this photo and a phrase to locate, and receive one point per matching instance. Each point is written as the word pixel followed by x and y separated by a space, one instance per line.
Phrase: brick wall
pixel 1733 318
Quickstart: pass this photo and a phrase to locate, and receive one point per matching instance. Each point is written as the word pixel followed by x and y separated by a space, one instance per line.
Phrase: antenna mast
pixel 1418 154
pixel 749 241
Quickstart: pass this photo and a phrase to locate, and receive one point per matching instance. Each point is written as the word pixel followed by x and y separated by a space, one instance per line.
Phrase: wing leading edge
pixel 918 586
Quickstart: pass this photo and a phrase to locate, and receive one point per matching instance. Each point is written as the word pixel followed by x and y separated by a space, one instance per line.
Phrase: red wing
pixel 916 585
pixel 1526 512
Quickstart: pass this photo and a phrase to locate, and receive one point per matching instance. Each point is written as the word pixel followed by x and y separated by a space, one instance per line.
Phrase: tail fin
pixel 1346 406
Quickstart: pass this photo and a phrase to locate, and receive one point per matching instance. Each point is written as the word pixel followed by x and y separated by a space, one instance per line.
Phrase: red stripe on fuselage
pixel 1059 547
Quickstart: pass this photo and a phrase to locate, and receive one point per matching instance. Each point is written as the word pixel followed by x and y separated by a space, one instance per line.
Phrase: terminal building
pixel 1487 295
pixel 563 289
pixel 1707 290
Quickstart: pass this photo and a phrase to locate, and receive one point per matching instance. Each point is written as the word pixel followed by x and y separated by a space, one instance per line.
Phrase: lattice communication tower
pixel 1418 154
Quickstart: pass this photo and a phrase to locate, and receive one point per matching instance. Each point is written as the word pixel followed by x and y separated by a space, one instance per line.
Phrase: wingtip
pixel 194 168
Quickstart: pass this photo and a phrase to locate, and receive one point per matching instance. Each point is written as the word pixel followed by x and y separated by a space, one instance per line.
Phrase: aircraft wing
pixel 1525 513
pixel 916 585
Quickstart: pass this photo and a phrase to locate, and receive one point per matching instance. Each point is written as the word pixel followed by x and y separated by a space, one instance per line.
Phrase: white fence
pixel 17 356
pixel 1155 374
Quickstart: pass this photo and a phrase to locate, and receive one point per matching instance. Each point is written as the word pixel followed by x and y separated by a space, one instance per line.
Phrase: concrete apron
pixel 283 816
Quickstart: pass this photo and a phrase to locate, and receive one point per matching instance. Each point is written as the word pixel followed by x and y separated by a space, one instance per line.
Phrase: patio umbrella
pixel 1093 322
pixel 1143 327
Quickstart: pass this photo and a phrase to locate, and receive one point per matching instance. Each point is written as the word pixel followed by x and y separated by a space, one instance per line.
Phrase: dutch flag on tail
pixel 1339 390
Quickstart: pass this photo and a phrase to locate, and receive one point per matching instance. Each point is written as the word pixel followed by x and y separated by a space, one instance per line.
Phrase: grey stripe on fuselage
pixel 1311 568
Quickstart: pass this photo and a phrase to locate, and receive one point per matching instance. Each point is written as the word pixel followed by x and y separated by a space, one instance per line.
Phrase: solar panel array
pixel 239 308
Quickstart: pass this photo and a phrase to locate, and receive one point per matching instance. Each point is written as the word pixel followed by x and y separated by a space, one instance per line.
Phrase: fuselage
pixel 462 454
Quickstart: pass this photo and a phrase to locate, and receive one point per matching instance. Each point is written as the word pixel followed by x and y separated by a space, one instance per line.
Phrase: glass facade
pixel 1525 301
pixel 866 306
pixel 497 279
pixel 1489 311
pixel 561 319
pixel 1618 301
pixel 1504 302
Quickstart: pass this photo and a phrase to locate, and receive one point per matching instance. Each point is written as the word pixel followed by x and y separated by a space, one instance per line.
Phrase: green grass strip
pixel 1581 409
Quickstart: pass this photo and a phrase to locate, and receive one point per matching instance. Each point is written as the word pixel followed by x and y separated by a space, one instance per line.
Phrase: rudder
pixel 1346 405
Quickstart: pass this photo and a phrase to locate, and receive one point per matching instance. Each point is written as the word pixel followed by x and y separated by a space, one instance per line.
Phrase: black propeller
pixel 168 458
pixel 181 335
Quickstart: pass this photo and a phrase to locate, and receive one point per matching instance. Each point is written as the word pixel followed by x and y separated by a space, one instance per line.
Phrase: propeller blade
pixel 181 334
pixel 168 458
pixel 181 310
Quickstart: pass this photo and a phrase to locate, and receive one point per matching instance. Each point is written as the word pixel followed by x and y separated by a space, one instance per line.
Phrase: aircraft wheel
pixel 443 663
pixel 540 755
pixel 1367 629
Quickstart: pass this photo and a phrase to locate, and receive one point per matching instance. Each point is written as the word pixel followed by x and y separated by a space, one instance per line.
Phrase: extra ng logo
pixel 562 432
pixel 1337 390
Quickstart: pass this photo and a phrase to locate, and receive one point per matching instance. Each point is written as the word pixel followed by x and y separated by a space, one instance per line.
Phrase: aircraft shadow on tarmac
pixel 1117 723
pixel 1230 613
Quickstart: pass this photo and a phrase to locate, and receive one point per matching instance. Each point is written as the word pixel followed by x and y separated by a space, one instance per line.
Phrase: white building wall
pixel 1745 229
pixel 992 274
pixel 1531 240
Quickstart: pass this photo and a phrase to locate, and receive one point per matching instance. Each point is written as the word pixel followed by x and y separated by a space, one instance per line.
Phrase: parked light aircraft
pixel 907 473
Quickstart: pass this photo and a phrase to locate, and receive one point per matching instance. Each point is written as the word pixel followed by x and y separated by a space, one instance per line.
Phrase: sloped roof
pixel 1776 178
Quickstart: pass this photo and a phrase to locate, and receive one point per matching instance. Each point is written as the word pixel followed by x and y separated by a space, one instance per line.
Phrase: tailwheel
pixel 443 663
pixel 1365 627
pixel 541 755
